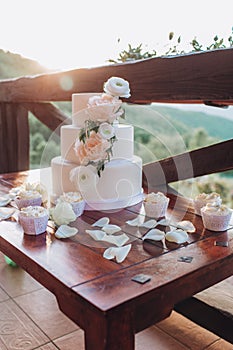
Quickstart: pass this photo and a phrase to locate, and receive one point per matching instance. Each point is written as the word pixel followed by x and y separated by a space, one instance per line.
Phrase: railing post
pixel 14 138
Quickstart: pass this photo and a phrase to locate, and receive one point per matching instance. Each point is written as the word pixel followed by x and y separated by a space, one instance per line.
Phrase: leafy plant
pixel 137 53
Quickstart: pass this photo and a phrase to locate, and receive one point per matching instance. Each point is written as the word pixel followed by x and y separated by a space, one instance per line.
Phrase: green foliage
pixel 42 146
pixel 175 48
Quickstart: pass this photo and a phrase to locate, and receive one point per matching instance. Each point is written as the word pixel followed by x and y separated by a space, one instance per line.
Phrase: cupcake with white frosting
pixel 156 204
pixel 76 201
pixel 216 217
pixel 27 198
pixel 203 198
pixel 33 219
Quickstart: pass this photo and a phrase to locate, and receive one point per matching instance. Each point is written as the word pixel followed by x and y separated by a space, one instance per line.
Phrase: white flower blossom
pixel 62 214
pixel 106 131
pixel 117 87
pixel 83 177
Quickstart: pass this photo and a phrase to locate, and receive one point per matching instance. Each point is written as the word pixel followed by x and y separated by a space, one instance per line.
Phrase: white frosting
pixel 71 197
pixel 34 211
pixel 155 197
pixel 215 209
pixel 209 197
pixel 24 194
pixel 120 179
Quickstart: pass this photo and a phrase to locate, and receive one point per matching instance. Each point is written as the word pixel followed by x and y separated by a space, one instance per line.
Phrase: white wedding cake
pixel 97 152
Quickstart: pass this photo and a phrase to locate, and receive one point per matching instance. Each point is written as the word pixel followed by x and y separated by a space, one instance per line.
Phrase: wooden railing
pixel 205 77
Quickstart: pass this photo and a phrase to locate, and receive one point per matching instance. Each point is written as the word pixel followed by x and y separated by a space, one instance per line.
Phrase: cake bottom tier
pixel 119 186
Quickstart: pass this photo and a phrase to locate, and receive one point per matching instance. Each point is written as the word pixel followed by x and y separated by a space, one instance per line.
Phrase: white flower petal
pixel 109 253
pixel 65 231
pixel 97 235
pixel 155 235
pixel 101 222
pixel 4 200
pixel 111 229
pixel 135 222
pixel 164 222
pixel 6 213
pixel 186 226
pixel 120 253
pixel 149 224
pixel 177 236
pixel 119 241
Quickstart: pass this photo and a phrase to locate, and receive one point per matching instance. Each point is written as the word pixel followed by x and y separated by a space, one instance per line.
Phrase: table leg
pixel 110 334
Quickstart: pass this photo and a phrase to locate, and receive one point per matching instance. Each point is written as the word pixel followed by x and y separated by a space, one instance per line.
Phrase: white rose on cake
pixel 117 87
pixel 106 131
pixel 84 177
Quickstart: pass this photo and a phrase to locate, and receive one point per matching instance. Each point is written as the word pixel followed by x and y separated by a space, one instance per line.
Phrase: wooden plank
pixel 193 78
pixel 49 115
pixel 15 138
pixel 207 160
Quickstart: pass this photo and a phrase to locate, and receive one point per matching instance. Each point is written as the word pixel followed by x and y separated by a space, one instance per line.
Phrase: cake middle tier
pixel 120 180
pixel 122 148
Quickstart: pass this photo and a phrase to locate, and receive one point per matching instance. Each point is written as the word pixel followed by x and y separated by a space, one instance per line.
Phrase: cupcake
pixel 203 198
pixel 33 219
pixel 26 198
pixel 215 217
pixel 156 204
pixel 76 201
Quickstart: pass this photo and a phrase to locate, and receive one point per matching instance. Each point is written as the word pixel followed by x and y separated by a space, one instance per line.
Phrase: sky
pixel 72 34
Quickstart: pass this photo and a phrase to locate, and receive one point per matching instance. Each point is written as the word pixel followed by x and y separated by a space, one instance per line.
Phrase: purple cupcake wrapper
pixel 156 210
pixel 216 222
pixel 78 208
pixel 33 226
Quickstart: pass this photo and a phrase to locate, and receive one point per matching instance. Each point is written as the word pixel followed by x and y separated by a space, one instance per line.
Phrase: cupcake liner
pixel 78 207
pixel 156 210
pixel 23 203
pixel 216 222
pixel 33 225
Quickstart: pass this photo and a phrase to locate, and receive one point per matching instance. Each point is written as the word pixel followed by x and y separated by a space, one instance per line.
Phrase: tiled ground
pixel 30 319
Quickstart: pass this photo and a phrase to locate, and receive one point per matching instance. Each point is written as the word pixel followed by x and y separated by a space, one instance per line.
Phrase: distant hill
pixel 159 119
pixel 14 65
pixel 216 126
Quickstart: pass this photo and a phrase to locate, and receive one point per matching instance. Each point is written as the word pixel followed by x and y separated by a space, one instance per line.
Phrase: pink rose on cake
pixel 101 100
pixel 94 149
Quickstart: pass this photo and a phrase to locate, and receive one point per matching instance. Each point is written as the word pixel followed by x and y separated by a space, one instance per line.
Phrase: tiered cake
pixel 97 152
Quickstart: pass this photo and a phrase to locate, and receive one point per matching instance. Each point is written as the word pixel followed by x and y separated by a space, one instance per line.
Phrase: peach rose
pixel 94 149
pixel 103 99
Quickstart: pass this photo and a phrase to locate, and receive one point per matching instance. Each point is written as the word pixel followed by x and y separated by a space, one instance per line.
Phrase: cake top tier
pixel 100 107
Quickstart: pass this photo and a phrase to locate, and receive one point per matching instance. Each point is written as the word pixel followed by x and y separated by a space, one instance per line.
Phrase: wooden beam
pixel 49 115
pixel 207 160
pixel 204 77
pixel 14 138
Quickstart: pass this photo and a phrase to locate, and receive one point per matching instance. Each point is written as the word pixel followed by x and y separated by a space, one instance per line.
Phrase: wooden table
pixel 99 295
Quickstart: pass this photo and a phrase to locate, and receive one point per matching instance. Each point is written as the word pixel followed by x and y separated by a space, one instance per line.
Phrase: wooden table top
pixel 95 292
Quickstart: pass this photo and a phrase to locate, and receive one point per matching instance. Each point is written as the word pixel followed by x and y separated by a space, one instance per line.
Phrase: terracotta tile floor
pixel 30 319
